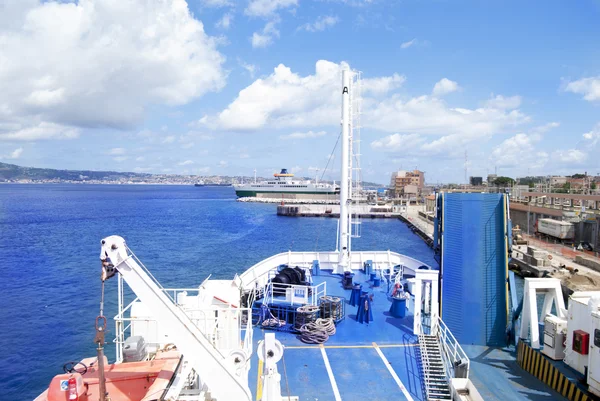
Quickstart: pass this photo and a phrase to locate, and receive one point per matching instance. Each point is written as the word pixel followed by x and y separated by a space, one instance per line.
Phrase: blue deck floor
pixel 360 372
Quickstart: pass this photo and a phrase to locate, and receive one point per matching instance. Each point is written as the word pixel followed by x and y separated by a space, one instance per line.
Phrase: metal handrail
pixel 210 324
pixel 452 349
pixel 318 291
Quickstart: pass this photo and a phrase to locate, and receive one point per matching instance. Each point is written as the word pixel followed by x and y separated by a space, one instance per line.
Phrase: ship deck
pixel 381 360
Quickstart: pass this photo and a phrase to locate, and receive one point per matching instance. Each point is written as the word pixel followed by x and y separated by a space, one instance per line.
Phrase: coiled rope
pixel 306 314
pixel 317 332
pixel 331 307
pixel 272 321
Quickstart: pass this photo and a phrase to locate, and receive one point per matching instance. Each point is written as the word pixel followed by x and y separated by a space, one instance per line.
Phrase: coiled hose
pixel 317 332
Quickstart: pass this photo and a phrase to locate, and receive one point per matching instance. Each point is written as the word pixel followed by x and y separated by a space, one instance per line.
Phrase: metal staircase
pixel 434 371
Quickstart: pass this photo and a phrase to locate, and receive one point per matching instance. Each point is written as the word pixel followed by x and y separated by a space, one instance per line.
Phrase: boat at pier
pixel 283 184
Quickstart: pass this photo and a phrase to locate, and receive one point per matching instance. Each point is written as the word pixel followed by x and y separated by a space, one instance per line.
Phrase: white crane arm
pixel 215 370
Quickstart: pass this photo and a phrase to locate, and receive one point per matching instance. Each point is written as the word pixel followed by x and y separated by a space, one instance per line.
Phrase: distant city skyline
pixel 223 87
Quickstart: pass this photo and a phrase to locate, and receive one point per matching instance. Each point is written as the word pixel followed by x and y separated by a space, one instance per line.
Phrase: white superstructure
pixel 284 183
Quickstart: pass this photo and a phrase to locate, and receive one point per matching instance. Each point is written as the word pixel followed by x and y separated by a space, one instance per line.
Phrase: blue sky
pixel 224 87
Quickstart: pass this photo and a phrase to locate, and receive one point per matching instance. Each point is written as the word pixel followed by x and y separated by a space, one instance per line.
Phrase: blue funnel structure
pixel 473 243
pixel 364 313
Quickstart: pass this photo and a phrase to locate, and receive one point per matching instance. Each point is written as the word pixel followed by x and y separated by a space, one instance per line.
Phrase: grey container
pixel 134 349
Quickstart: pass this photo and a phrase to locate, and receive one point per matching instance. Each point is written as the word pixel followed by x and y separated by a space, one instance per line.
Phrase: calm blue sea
pixel 50 246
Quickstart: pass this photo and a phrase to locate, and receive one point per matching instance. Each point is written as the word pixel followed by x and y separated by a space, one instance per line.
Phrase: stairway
pixel 434 371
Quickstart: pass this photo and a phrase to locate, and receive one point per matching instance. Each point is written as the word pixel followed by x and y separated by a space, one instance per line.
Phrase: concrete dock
pixel 362 211
pixel 574 276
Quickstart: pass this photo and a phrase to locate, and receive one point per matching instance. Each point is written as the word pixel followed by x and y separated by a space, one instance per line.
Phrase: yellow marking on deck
pixel 259 382
pixel 349 346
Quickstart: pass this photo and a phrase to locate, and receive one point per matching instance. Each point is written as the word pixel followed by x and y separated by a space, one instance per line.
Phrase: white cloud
pixel 520 149
pixel 516 151
pixel 100 64
pixel 295 169
pixel 216 3
pixel 397 142
pixel 285 99
pixel 266 37
pixel 382 85
pixel 250 68
pixel 406 45
pixel 140 159
pixel 117 151
pixel 40 131
pixel 266 8
pixel 120 158
pixel 203 170
pixel 430 115
pixel 303 135
pixel 504 102
pixel 225 21
pixel 593 137
pixel 16 153
pixel 244 156
pixel 223 163
pixel 185 163
pixel 321 23
pixel 444 86
pixel 570 156
pixel 588 87
pixel 169 139
pixel 414 43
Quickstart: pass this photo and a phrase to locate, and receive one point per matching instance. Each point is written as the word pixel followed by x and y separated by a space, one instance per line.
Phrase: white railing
pixel 222 325
pixel 258 275
pixel 453 354
pixel 299 294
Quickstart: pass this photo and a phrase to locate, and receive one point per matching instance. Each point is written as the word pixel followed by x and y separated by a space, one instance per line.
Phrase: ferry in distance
pixel 283 183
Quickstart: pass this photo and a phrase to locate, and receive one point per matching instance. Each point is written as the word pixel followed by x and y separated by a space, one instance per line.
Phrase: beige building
pixel 401 179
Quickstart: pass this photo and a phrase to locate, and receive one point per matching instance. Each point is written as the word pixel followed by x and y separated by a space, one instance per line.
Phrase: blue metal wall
pixel 474 267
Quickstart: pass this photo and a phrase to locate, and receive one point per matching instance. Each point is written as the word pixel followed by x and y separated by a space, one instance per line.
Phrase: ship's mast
pixel 344 239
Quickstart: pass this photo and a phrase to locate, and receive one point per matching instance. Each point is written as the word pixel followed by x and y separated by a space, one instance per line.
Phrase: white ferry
pixel 283 184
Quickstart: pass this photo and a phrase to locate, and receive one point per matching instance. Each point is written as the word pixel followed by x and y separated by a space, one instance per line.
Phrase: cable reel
pixel 270 352
pixel 237 360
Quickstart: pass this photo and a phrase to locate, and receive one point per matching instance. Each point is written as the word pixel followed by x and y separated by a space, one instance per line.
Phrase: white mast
pixel 344 239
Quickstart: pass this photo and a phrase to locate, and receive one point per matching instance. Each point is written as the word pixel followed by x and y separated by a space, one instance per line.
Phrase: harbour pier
pixel 362 211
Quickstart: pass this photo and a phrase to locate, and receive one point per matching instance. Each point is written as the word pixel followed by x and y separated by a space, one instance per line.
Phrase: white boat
pixel 283 184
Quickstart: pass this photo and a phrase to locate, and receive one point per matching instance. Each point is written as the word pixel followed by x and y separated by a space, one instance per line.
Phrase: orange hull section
pixel 131 381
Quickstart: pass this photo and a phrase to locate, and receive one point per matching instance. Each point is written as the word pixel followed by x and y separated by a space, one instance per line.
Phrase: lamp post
pixel 529 210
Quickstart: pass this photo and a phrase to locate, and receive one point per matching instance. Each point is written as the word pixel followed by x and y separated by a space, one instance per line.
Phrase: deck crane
pixel 225 376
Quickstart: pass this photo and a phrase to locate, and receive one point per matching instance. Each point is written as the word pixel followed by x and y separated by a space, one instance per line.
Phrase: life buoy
pixel 549 257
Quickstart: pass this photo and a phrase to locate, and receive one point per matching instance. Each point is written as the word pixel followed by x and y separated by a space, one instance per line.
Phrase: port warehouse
pixel 581 210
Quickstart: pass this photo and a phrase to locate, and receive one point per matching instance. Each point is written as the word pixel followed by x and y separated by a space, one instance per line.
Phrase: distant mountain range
pixel 14 173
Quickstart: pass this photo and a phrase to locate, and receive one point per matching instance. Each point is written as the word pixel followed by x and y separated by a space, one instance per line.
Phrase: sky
pixel 223 87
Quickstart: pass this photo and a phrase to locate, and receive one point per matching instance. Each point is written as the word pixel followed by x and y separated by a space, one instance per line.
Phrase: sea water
pixel 50 267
